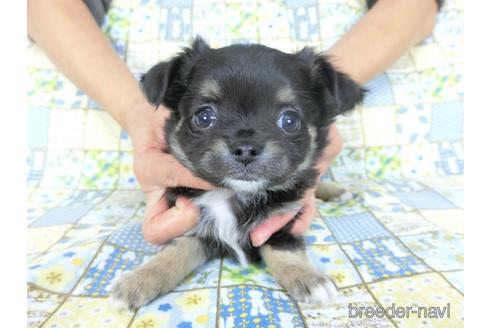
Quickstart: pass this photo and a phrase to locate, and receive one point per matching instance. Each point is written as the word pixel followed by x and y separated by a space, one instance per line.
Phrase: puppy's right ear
pixel 157 80
pixel 165 83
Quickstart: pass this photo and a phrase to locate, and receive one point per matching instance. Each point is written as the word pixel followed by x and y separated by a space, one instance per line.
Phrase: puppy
pixel 253 121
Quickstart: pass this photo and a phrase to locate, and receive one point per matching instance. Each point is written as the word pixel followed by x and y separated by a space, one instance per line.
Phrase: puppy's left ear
pixel 335 88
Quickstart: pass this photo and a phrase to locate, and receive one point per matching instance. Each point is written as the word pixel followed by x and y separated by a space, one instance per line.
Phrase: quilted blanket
pixel 397 243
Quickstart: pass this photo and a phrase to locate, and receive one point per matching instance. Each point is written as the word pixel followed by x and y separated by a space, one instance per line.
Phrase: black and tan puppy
pixel 253 121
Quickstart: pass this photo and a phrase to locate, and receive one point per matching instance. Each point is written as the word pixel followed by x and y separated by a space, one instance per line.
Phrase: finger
pixel 163 224
pixel 163 170
pixel 307 215
pixel 333 148
pixel 265 230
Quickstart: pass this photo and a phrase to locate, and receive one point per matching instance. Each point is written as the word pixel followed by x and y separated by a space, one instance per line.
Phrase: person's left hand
pixel 273 224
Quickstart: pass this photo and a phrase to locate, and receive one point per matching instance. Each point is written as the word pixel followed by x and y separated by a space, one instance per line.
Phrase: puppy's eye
pixel 204 118
pixel 289 122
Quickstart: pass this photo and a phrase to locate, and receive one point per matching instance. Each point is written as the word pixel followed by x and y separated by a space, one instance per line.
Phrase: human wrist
pixel 129 113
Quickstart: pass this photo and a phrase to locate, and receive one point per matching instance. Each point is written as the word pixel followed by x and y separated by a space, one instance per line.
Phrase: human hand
pixel 156 170
pixel 271 225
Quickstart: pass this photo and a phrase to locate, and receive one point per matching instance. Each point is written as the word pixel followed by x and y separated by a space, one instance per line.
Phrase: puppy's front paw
pixel 309 286
pixel 133 291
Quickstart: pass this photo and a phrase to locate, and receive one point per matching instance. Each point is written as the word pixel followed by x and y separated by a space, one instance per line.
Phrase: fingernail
pixel 260 240
pixel 180 204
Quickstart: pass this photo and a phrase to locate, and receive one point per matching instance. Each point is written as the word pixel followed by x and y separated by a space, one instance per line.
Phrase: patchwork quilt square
pixel 145 22
pixel 273 20
pixel 407 87
pixel 447 121
pixel 38 120
pixel 194 308
pixel 88 312
pixel 450 220
pixel 424 199
pixel 441 251
pixel 374 119
pixel 62 169
pixel 175 22
pixel 208 20
pixel 426 290
pixel 127 179
pixel 303 19
pixel 383 258
pixel 382 162
pixel 249 306
pixel 61 215
pixel 417 160
pixel 428 56
pixel 360 226
pixel 413 123
pixel 351 128
pixel 108 131
pixel 379 92
pixel 67 95
pixel 66 128
pixel 242 21
pixel 116 23
pixel 100 170
pixel 442 83
pixel 41 85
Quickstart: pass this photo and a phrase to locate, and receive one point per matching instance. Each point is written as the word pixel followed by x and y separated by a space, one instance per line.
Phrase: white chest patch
pixel 223 219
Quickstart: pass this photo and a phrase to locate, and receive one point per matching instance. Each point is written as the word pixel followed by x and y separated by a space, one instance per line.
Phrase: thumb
pixel 266 229
pixel 162 224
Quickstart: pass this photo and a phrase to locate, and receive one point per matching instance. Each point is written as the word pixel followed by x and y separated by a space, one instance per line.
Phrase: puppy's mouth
pixel 222 167
pixel 246 186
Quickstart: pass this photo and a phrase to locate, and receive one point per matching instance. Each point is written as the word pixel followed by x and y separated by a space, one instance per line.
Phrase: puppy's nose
pixel 245 152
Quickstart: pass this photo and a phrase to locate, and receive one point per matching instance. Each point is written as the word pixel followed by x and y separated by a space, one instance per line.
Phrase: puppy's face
pixel 248 117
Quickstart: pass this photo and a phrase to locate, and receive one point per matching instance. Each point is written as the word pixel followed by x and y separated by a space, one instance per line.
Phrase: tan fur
pixel 161 274
pixel 328 191
pixel 293 270
pixel 285 95
pixel 211 89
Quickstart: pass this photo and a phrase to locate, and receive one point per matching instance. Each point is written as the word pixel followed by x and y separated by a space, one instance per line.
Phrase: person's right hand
pixel 156 170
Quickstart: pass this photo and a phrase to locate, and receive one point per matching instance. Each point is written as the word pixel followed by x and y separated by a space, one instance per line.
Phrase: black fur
pixel 249 78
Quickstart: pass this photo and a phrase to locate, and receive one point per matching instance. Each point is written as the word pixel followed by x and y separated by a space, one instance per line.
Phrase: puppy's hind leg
pixel 160 274
pixel 292 269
